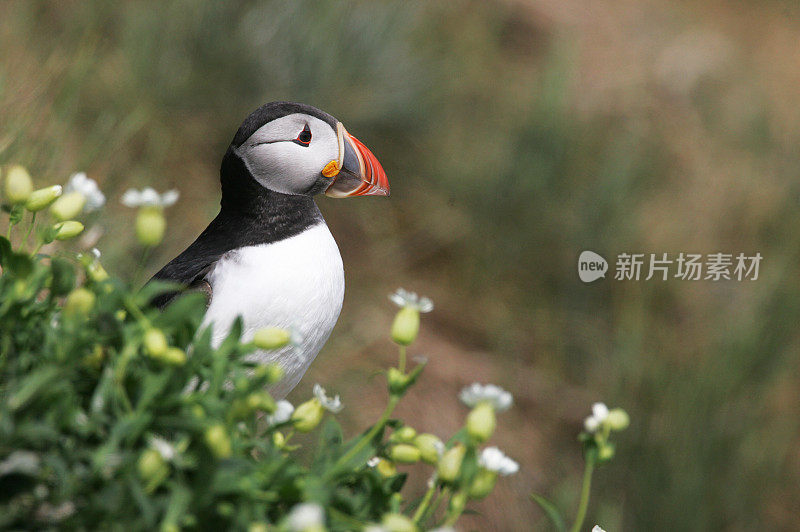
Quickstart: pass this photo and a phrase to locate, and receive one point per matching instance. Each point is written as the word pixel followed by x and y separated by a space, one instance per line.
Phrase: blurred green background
pixel 515 135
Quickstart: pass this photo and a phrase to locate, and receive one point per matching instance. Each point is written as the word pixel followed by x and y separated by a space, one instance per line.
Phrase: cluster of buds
pixel 408 447
pixel 80 195
pixel 598 427
pixel 157 347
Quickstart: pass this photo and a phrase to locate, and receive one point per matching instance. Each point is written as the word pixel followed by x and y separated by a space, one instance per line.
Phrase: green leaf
pixel 16 214
pixel 551 512
pixel 5 250
pixel 63 277
pixel 188 309
pixel 32 384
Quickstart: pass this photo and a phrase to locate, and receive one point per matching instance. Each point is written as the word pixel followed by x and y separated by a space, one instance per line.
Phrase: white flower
pixel 597 528
pixel 493 459
pixel 148 197
pixel 304 516
pixel 476 393
pixel 96 253
pixel 372 462
pixel 283 412
pixel 164 448
pixel 334 405
pixel 88 189
pixel 404 298
pixel 599 415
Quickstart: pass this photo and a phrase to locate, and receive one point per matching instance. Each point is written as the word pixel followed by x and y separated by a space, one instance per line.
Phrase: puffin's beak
pixel 359 172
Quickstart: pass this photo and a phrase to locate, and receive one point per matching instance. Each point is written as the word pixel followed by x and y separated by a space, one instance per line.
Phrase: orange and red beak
pixel 357 171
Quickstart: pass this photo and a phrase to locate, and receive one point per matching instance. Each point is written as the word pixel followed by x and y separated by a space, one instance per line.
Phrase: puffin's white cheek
pixel 284 167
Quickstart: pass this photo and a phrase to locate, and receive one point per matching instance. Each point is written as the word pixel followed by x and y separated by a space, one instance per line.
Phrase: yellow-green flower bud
pixel 279 440
pixel 96 272
pixel 41 198
pixel 450 463
pixel 404 453
pixel 150 226
pixel 404 434
pixel 261 401
pixel 153 469
pixel 169 527
pixel 307 416
pixel 481 422
pixel 79 302
pixel 618 419
pixel 385 468
pixel 271 338
pixel 605 452
pixel 68 206
pixel 398 523
pixel 68 229
pixel 270 372
pixel 482 484
pixel 218 441
pixel 95 358
pixel 406 325
pixel 155 342
pixel 398 381
pixel 18 185
pixel 457 503
pixel 259 526
pixel 429 447
pixel 174 356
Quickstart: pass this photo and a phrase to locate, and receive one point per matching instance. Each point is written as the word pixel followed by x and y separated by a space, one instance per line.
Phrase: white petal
pixel 169 198
pixel 283 412
pixel 597 528
pixel 131 198
pixel 600 411
pixel 304 516
pixel 425 304
pixel 164 448
pixel 493 459
pixel 477 393
pixel 591 424
pixel 333 405
pixel 372 462
pixel 149 196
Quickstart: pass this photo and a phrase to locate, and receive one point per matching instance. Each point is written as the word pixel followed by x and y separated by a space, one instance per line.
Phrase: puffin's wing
pixel 188 271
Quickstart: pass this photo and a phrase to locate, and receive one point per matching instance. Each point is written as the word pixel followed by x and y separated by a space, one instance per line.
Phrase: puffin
pixel 268 256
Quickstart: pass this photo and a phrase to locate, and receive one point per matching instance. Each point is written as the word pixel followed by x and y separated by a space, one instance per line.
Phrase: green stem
pixel 423 506
pixel 366 438
pixel 140 268
pixel 30 230
pixel 453 513
pixel 585 490
pixel 136 312
pixel 402 364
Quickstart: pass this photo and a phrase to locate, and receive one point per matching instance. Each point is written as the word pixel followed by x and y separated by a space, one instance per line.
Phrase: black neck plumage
pixel 262 215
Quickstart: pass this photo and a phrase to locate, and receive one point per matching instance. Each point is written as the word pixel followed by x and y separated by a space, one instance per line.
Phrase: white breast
pixel 296 283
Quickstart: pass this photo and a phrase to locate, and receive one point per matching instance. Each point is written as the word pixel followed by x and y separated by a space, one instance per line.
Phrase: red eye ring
pixel 304 138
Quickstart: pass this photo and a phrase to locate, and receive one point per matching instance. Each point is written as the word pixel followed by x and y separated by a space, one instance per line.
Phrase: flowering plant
pixel 116 414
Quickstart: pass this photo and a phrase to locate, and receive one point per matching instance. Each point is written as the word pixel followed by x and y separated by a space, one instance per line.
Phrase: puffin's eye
pixel 304 138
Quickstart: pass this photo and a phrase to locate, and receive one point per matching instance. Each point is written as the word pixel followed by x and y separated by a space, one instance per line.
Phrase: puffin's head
pixel 297 149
